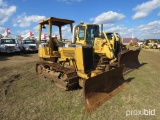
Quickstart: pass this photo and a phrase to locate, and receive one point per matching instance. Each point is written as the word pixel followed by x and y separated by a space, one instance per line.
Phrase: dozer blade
pixel 102 87
pixel 130 59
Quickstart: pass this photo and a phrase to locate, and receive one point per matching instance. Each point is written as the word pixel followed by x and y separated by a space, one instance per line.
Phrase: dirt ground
pixel 9 60
pixel 23 95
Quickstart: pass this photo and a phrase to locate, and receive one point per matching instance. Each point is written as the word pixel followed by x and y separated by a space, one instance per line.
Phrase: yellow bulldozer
pixel 72 65
pixel 133 43
pixel 108 47
pixel 151 44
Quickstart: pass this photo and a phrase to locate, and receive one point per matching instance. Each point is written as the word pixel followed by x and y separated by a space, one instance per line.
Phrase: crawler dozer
pixel 151 44
pixel 72 65
pixel 108 47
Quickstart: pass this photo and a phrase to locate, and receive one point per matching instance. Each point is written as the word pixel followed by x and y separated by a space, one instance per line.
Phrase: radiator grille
pixel 9 47
pixel 32 47
pixel 88 58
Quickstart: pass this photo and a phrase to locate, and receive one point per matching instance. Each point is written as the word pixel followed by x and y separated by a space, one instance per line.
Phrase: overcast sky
pixel 140 17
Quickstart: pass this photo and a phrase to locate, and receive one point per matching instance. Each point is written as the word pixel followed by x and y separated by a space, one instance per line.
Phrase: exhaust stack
pixel 101 29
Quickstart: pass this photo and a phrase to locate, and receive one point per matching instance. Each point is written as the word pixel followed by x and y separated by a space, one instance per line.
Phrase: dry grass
pixel 25 96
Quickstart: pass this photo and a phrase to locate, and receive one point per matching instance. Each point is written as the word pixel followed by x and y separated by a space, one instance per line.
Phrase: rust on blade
pixel 102 87
pixel 130 59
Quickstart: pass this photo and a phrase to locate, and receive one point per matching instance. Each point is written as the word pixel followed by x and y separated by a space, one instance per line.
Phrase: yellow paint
pixel 43 52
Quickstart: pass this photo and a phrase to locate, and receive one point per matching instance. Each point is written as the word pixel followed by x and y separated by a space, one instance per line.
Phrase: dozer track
pixel 102 62
pixel 130 59
pixel 63 77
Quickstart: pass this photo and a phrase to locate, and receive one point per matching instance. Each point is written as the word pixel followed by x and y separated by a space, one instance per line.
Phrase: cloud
pixel 151 28
pixel 116 29
pixel 69 1
pixel 131 29
pixel 5 11
pixel 2 3
pixel 23 32
pixel 145 9
pixel 36 28
pixel 109 17
pixel 66 32
pixel 25 21
pixel 144 31
pixel 2 29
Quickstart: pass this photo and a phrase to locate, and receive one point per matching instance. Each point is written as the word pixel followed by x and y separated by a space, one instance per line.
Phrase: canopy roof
pixel 56 21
